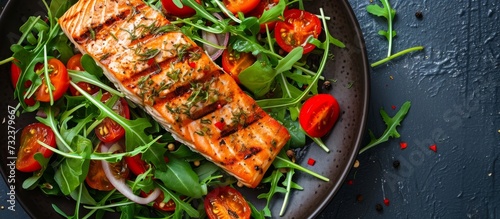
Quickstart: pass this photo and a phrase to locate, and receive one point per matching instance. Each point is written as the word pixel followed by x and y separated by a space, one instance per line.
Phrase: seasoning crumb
pixel 379 207
pixel 396 164
pixel 419 15
pixel 360 198
pixel 356 164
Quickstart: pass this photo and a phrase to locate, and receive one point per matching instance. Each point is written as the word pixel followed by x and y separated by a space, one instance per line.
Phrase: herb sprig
pixel 388 13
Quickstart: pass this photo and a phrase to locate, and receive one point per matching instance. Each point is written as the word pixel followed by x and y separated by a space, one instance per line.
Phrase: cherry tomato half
pixel 15 73
pixel 226 202
pixel 74 63
pixel 159 203
pixel 296 29
pixel 264 5
pixel 318 114
pixel 243 6
pixel 108 130
pixel 30 136
pixel 234 62
pixel 172 9
pixel 58 75
pixel 97 179
pixel 136 164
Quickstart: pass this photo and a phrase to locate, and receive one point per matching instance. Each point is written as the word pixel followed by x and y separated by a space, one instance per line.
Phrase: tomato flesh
pixel 172 9
pixel 296 29
pixel 243 6
pixel 59 78
pixel 226 202
pixel 30 136
pixel 74 63
pixel 234 62
pixel 97 179
pixel 160 203
pixel 318 115
pixel 136 165
pixel 108 130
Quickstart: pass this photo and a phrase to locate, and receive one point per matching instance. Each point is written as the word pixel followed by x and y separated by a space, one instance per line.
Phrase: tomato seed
pixel 379 207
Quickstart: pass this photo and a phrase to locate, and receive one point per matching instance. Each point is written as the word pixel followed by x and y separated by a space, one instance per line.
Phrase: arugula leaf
pixel 273 179
pixel 32 181
pixel 392 124
pixel 134 131
pixel 180 205
pixel 90 66
pixel 273 14
pixel 259 77
pixel 72 172
pixel 282 161
pixel 180 177
pixel 289 185
pixel 388 13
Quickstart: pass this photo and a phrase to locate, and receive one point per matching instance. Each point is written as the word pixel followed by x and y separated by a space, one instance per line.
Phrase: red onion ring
pixel 120 184
pixel 215 39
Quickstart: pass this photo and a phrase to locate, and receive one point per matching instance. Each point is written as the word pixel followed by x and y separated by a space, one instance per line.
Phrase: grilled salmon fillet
pixel 169 76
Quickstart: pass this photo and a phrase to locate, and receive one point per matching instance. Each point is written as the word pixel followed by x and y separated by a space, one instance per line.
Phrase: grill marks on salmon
pixel 170 77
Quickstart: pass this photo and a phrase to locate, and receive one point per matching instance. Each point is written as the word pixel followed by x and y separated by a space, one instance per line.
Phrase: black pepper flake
pixel 396 164
pixel 379 207
pixel 419 15
pixel 327 85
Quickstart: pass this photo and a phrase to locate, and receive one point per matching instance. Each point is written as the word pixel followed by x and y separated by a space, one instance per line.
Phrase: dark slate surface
pixel 454 87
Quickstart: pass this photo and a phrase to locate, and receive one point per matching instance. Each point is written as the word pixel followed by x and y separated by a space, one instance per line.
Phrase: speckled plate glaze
pixel 349 69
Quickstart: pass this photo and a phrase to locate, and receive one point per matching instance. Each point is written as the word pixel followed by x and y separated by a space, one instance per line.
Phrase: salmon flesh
pixel 160 69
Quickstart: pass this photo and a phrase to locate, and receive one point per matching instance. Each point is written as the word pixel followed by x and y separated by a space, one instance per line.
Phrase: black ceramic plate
pixel 349 68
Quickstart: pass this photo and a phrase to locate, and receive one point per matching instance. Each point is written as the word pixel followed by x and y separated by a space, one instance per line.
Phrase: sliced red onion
pixel 217 39
pixel 120 184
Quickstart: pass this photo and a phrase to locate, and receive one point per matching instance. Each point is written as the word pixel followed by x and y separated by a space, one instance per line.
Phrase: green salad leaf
pixel 392 123
pixel 72 172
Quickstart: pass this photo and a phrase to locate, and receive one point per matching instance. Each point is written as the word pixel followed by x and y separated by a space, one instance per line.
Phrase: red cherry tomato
pixel 59 78
pixel 318 114
pixel 15 73
pixel 264 5
pixel 30 136
pixel 234 62
pixel 136 164
pixel 172 9
pixel 243 6
pixel 108 130
pixel 159 203
pixel 296 29
pixel 97 179
pixel 226 202
pixel 74 63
